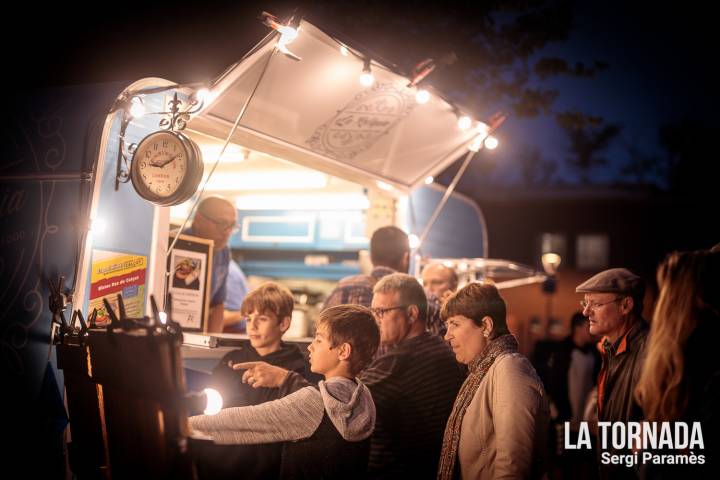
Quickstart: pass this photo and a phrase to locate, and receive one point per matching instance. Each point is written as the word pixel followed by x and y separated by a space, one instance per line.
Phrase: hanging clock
pixel 166 168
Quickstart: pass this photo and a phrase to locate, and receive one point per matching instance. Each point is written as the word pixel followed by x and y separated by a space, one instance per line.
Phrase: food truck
pixel 315 141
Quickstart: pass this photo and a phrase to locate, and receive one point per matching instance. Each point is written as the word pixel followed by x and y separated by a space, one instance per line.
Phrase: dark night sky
pixel 659 63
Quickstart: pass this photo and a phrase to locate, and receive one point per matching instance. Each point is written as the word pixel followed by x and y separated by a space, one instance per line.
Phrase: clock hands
pixel 162 164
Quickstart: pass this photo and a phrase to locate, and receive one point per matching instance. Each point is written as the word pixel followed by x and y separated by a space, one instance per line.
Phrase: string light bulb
pixel 464 122
pixel 422 96
pixel 366 78
pixel 344 51
pixel 491 143
pixel 384 186
pixel 429 180
pixel 482 128
pixel 288 33
pixel 414 241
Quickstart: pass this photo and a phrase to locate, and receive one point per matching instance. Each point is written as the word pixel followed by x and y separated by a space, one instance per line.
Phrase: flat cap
pixel 615 280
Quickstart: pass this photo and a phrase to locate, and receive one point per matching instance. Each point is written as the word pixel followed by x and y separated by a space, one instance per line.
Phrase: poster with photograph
pixel 189 274
pixel 113 273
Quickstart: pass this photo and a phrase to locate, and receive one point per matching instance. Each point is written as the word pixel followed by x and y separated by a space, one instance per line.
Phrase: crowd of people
pixel 421 380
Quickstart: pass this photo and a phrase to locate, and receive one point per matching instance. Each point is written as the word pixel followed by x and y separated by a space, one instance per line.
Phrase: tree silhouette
pixel 589 137
pixel 495 46
pixel 643 167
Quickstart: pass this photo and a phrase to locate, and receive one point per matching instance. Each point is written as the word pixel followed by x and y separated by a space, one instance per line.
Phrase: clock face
pixel 166 168
pixel 163 164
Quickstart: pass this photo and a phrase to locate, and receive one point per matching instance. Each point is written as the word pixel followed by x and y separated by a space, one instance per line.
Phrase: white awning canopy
pixel 315 112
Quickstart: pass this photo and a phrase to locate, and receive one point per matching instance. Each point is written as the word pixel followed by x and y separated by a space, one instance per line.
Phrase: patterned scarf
pixel 477 368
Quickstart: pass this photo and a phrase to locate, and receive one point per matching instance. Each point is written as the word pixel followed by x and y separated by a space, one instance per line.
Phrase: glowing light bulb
pixel 464 122
pixel 422 96
pixel 551 262
pixel 384 186
pixel 163 317
pixel 414 241
pixel 482 128
pixel 214 402
pixel 367 79
pixel 98 225
pixel 204 95
pixel 344 51
pixel 287 34
pixel 491 143
pixel 429 180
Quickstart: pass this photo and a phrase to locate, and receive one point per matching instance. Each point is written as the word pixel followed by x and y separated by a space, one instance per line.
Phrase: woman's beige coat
pixel 504 430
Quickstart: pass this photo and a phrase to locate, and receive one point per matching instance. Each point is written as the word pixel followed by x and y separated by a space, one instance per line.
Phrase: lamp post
pixel 550 262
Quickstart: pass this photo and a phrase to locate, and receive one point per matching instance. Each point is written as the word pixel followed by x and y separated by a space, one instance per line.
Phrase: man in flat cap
pixel 613 303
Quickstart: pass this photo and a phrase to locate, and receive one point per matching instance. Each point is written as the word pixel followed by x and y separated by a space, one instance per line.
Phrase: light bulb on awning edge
pixel 204 95
pixel 344 51
pixel 414 241
pixel 464 122
pixel 429 180
pixel 384 186
pixel 422 96
pixel 491 143
pixel 482 128
pixel 287 34
pixel 366 78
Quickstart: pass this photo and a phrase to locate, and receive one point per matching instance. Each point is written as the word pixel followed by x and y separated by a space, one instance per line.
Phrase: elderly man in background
pixel 215 219
pixel 440 282
pixel 613 304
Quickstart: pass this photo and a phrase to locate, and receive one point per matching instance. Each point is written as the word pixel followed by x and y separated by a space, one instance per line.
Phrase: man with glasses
pixel 613 304
pixel 414 383
pixel 216 219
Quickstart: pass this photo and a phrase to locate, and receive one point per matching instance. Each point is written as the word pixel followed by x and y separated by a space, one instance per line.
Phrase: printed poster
pixel 114 273
pixel 187 286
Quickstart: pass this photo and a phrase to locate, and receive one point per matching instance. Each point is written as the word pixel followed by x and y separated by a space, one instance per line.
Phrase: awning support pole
pixel 446 197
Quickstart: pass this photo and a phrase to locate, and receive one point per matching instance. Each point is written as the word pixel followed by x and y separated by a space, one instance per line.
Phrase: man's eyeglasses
pixel 380 312
pixel 592 305
pixel 222 224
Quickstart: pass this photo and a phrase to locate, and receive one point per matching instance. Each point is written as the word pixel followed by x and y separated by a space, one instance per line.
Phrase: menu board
pixel 189 272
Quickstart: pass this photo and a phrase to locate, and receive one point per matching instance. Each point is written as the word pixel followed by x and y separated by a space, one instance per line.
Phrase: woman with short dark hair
pixel 498 423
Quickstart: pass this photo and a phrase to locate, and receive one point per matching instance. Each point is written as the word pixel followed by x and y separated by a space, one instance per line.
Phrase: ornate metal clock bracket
pixel 174 119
